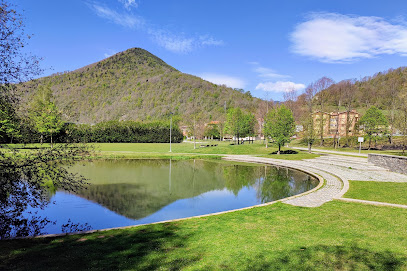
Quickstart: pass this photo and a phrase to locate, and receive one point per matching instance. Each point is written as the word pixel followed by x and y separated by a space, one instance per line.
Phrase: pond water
pixel 131 192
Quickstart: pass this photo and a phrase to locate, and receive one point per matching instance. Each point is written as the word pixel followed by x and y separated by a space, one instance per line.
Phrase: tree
pixel 239 124
pixel 49 121
pixel 15 66
pixel 212 131
pixel 374 122
pixel 321 98
pixel 23 174
pixel 262 111
pixel 45 115
pixel 9 122
pixel 280 125
pixel 308 119
pixel 401 119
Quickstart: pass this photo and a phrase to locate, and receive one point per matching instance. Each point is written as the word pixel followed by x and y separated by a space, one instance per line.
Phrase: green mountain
pixel 136 85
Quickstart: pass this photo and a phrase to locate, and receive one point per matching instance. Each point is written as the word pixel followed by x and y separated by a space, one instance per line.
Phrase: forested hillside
pixel 136 85
pixel 381 90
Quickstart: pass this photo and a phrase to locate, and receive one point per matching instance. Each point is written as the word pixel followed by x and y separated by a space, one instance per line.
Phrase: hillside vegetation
pixel 381 90
pixel 136 85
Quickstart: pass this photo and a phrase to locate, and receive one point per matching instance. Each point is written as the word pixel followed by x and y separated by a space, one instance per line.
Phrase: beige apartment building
pixel 335 122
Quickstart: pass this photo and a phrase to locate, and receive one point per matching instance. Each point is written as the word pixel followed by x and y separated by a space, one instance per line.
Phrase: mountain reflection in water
pixel 138 188
pixel 130 192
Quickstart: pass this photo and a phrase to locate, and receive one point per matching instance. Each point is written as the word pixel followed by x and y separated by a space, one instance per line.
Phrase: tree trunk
pixel 309 147
pixel 321 126
pixel 279 148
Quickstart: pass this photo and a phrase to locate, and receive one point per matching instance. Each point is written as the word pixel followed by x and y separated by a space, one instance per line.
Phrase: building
pixel 335 123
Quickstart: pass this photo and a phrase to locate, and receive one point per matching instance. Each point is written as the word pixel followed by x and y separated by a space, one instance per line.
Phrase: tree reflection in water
pixel 271 183
pixel 27 181
pixel 137 189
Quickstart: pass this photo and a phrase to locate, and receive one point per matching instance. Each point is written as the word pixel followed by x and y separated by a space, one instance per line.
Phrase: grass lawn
pixel 183 150
pixel 336 236
pixel 378 191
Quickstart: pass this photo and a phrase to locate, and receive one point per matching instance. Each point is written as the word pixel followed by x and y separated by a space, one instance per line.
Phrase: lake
pixel 131 192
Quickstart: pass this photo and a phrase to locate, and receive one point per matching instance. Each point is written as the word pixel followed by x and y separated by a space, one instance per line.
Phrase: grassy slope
pixel 378 191
pixel 336 236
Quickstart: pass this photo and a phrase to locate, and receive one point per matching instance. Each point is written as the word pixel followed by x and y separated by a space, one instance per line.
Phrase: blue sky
pixel 265 47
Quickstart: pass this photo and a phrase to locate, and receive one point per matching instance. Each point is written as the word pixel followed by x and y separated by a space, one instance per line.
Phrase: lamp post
pixel 170 130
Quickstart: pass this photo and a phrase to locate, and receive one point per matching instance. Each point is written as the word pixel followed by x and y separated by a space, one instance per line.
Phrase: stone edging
pixel 391 162
pixel 376 203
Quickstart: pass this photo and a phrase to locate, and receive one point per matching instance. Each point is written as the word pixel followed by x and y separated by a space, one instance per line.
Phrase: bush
pixel 112 132
pixel 285 152
pixel 124 132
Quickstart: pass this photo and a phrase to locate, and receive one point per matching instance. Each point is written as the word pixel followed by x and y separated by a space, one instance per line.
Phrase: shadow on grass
pixel 136 249
pixel 330 258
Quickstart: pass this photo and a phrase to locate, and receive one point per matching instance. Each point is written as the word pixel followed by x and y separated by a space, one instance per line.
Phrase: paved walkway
pixel 331 152
pixel 336 170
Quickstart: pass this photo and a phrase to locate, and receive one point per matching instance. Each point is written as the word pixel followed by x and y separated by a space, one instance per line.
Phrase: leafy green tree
pixel 212 131
pixel 45 115
pixel 24 175
pixel 280 125
pixel 374 123
pixel 239 124
pixel 49 121
pixel 9 123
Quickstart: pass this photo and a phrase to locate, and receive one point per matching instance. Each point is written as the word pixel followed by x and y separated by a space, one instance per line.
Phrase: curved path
pixel 334 169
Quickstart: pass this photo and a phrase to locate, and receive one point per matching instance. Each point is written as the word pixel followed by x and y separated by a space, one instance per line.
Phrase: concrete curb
pixel 376 203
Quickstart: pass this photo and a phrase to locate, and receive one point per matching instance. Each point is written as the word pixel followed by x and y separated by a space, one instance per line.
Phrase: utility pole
pixel 194 133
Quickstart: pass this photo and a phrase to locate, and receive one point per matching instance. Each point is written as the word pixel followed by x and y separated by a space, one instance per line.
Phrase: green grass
pixel 378 191
pixel 335 236
pixel 180 150
pixel 299 156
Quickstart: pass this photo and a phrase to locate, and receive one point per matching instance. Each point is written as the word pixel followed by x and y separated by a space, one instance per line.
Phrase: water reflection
pixel 28 181
pixel 128 192
pixel 139 188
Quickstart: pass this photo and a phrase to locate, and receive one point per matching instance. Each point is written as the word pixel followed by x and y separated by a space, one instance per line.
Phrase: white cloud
pixel 332 37
pixel 177 43
pixel 128 4
pixel 266 73
pixel 126 20
pixel 109 53
pixel 221 79
pixel 208 40
pixel 280 86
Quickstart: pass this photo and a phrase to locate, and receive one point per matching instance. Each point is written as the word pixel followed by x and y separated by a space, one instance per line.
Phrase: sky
pixel 265 47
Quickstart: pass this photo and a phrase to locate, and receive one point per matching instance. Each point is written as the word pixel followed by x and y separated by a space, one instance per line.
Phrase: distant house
pixel 185 130
pixel 335 123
